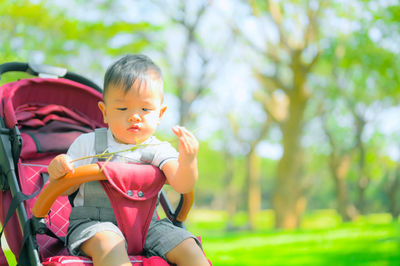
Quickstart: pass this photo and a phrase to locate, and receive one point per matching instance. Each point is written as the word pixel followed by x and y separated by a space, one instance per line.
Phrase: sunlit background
pixel 296 105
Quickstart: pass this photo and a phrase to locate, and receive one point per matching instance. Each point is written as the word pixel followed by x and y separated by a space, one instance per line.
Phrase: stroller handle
pixel 46 71
pixel 53 190
pixel 84 174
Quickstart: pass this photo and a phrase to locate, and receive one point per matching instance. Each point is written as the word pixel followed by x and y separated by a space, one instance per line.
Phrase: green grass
pixel 321 240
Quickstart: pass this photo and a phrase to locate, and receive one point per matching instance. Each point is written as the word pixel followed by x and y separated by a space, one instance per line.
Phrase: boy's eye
pixel 121 109
pixel 146 109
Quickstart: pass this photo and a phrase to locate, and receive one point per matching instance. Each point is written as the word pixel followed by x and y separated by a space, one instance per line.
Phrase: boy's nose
pixel 135 118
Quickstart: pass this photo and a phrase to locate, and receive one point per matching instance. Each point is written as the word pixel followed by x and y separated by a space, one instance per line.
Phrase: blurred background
pixel 295 103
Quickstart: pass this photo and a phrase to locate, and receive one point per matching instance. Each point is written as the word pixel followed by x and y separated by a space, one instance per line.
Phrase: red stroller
pixel 39 118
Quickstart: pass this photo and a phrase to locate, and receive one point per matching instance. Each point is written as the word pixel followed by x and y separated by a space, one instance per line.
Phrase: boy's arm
pixel 183 173
pixel 58 168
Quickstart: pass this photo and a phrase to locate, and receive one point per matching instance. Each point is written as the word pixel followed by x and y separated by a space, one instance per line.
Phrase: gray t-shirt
pixel 84 146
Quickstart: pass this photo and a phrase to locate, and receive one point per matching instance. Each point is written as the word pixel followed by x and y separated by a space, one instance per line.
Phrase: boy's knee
pixel 102 243
pixel 106 248
pixel 187 252
pixel 190 247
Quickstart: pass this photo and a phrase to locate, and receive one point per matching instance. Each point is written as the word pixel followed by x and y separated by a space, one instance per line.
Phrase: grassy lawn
pixel 322 240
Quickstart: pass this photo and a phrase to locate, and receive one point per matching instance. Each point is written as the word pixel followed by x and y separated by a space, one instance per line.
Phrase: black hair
pixel 129 69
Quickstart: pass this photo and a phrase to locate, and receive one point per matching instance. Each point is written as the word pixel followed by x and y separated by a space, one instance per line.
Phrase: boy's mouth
pixel 134 128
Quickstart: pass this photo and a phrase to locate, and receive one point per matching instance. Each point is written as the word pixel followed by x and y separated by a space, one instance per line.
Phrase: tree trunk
pixel 363 183
pixel 289 201
pixel 363 180
pixel 339 169
pixel 392 190
pixel 253 191
pixel 230 201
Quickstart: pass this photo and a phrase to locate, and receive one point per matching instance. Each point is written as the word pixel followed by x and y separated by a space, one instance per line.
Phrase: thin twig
pixel 109 155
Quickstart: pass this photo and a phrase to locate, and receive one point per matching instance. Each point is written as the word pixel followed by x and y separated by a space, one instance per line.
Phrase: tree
pixel 356 71
pixel 392 186
pixel 284 91
pixel 340 159
pixel 185 19
pixel 193 61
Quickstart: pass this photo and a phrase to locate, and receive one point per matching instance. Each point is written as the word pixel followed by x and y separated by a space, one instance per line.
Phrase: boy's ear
pixel 162 111
pixel 102 107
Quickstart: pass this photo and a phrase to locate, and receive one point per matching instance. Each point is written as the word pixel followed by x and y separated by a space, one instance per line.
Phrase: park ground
pixel 321 240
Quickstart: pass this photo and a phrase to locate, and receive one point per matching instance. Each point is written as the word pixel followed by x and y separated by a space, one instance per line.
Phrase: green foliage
pixel 13 76
pixel 47 30
pixel 362 57
pixel 211 168
pixel 390 14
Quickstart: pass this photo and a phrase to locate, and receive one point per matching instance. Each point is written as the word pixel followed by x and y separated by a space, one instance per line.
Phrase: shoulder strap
pixel 147 156
pixel 18 198
pixel 100 141
pixel 100 145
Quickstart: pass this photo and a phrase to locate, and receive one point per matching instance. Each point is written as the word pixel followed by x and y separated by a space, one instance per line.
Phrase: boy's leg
pixel 173 243
pixel 187 252
pixel 106 248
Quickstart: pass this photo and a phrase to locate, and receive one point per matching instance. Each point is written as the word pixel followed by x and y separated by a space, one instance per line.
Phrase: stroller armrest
pixel 84 174
pixel 185 206
pixel 53 190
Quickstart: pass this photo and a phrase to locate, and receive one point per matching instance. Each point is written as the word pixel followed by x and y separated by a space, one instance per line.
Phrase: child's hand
pixel 183 173
pixel 188 144
pixel 60 166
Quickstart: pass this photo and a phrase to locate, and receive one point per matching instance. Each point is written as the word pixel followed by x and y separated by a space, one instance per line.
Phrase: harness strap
pixel 16 200
pixel 23 259
pixel 100 146
pixel 147 156
pixel 94 195
pixel 95 198
pixel 100 141
pixel 27 227
pixel 94 213
pixel 32 227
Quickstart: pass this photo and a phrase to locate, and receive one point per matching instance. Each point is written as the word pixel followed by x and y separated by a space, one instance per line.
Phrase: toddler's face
pixel 133 116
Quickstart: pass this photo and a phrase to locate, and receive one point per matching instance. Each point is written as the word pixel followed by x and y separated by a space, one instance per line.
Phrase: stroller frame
pixel 11 146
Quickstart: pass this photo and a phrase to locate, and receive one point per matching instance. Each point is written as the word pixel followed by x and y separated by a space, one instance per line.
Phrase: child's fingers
pixel 177 131
pixel 65 164
pixel 187 134
pixel 182 132
pixel 60 166
pixel 187 141
pixel 68 164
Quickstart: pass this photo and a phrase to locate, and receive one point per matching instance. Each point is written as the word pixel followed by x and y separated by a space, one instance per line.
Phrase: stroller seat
pixel 40 118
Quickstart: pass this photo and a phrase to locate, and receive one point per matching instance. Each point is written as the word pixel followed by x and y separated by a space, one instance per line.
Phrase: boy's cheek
pixel 152 118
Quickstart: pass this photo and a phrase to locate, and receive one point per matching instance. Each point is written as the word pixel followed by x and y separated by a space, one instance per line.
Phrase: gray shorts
pixel 162 235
